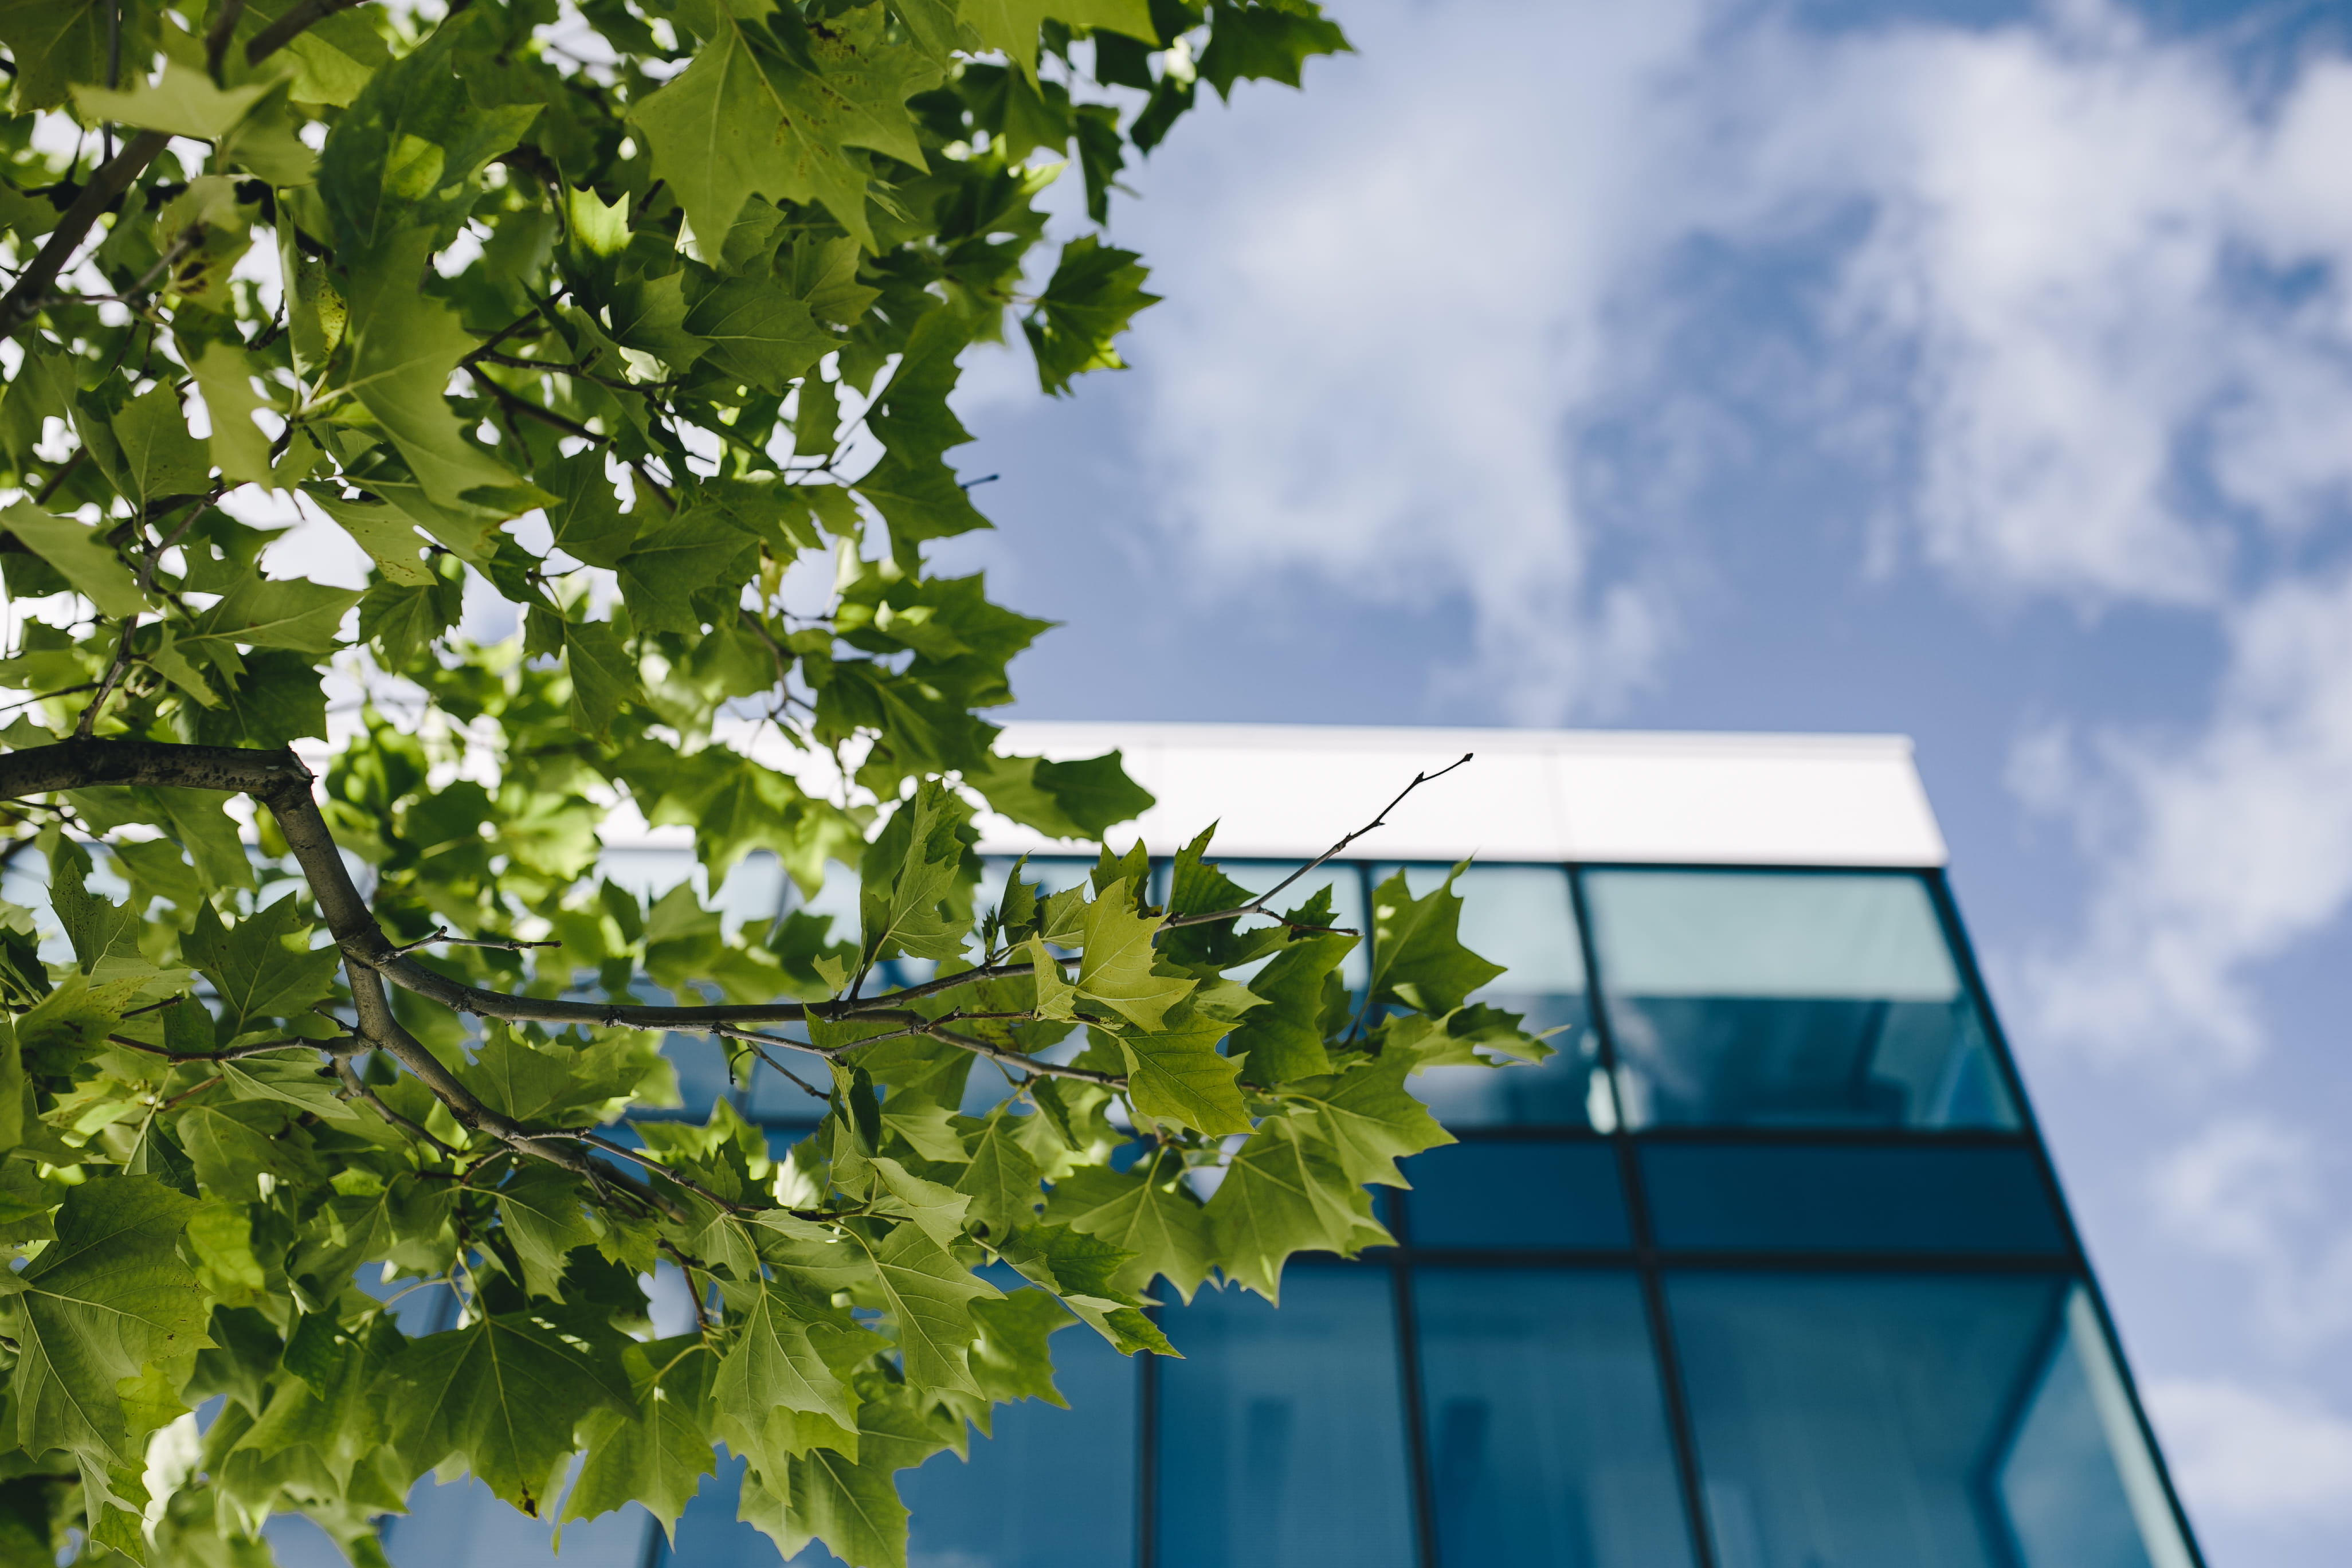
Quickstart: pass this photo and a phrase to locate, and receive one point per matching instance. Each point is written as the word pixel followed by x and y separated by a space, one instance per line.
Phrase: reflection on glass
pixel 2077 1485
pixel 1523 918
pixel 710 1536
pixel 1783 1198
pixel 1053 1489
pixel 1922 1419
pixel 1281 1436
pixel 1779 999
pixel 1516 1196
pixel 1547 1434
pixel 466 1525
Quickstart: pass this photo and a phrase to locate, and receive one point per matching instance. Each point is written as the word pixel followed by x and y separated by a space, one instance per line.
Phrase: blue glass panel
pixel 1523 918
pixel 1741 1197
pixel 1282 1433
pixel 1548 1444
pixel 1053 1489
pixel 710 1536
pixel 2077 1485
pixel 1788 999
pixel 1513 1194
pixel 1846 1419
pixel 464 1525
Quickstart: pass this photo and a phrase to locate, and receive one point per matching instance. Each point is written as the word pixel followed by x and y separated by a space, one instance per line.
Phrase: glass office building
pixel 1766 1268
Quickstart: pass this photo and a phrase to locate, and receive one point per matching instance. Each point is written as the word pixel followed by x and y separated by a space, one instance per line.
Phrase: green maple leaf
pixel 258 612
pixel 254 973
pixel 675 557
pixel 1150 1213
pixel 648 314
pixel 1178 1075
pixel 1418 958
pixel 1285 1192
pixel 1083 1271
pixel 1093 293
pixel 1284 1040
pixel 659 1456
pixel 158 456
pixel 182 102
pixel 385 531
pixel 910 869
pixel 290 1080
pixel 58 43
pixel 404 346
pixel 105 935
pixel 234 1145
pixel 105 1300
pixel 505 1395
pixel 541 1207
pixel 1083 799
pixel 1370 1120
pixel 852 1508
pixel 929 1296
pixel 1011 1358
pixel 586 519
pixel 80 555
pixel 742 121
pixel 280 697
pixel 224 375
pixel 939 1210
pixel 1002 1179
pixel 1012 24
pixel 404 155
pixel 758 333
pixel 919 498
pixel 1117 959
pixel 777 1362
pixel 1267 43
pixel 603 676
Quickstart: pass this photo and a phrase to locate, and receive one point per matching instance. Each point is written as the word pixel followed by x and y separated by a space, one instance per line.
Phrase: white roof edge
pixel 1658 796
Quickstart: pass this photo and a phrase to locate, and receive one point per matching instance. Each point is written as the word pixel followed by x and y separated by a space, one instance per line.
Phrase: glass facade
pixel 1765 1269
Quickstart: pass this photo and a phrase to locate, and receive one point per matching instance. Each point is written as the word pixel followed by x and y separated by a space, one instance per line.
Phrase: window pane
pixel 1523 918
pixel 1764 998
pixel 1738 1198
pixel 1282 1433
pixel 1053 1489
pixel 1514 1195
pixel 1855 1419
pixel 1547 1435
pixel 464 1525
pixel 2077 1484
pixel 710 1536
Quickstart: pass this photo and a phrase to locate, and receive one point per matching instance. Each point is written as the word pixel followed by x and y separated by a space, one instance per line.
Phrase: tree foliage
pixel 633 325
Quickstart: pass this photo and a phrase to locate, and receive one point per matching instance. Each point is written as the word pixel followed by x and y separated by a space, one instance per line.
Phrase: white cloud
pixel 2247 1453
pixel 1390 308
pixel 2094 333
pixel 2265 1197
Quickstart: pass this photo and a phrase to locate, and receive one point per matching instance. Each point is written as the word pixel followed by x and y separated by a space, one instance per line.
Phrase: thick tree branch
pixel 26 296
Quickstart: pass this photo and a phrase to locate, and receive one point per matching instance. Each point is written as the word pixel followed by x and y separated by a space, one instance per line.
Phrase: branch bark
pixel 23 300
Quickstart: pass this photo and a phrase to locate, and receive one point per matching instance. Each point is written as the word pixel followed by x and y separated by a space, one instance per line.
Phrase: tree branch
pixel 23 300
pixel 1257 905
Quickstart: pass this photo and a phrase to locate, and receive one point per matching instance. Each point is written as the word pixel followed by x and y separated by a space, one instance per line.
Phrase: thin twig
pixel 1257 905
pixel 238 1053
pixel 357 1087
pixel 505 944
pixel 806 1087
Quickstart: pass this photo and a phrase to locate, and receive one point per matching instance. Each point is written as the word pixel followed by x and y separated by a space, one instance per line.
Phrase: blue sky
pixel 1982 372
